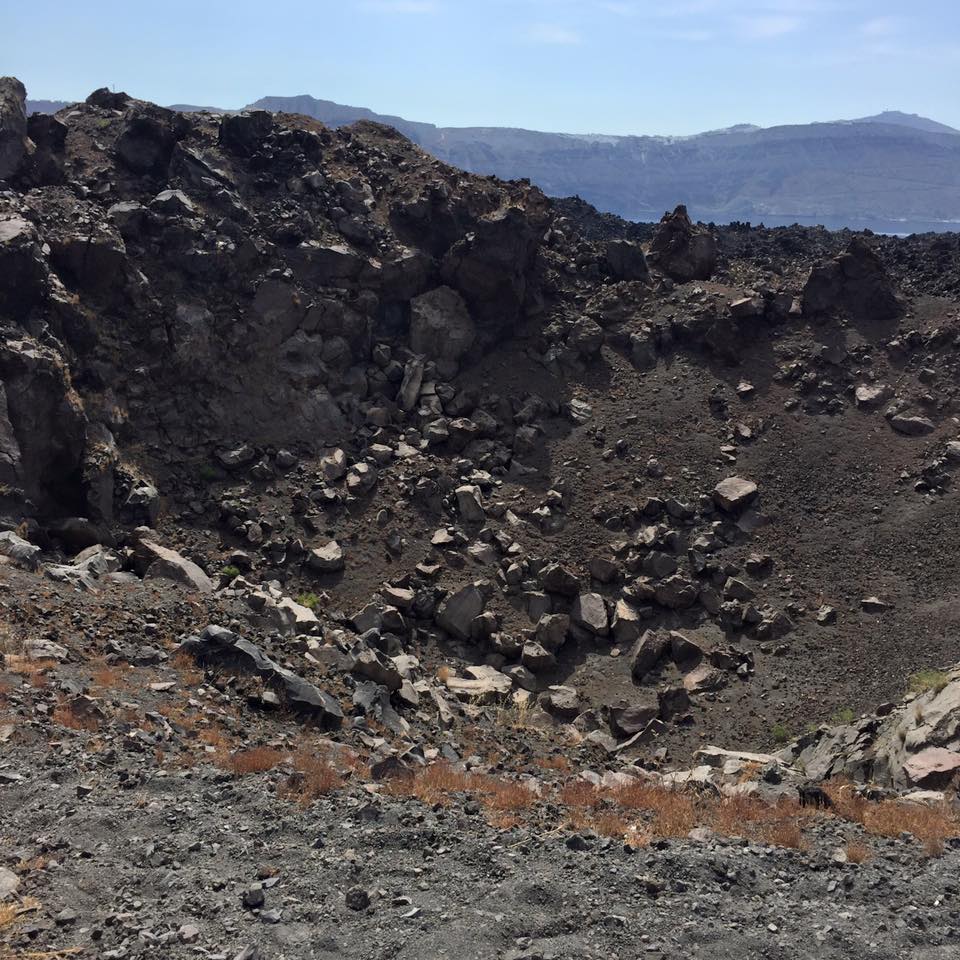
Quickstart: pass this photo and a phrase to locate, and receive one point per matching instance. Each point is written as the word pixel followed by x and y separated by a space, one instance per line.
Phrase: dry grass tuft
pixel 313 776
pixel 559 763
pixel 579 793
pixel 431 785
pixel 782 833
pixel 856 852
pixel 255 760
pixel 105 676
pixel 214 736
pixel 503 821
pixel 503 795
pixel 931 825
pixel 190 674
pixel 676 819
pixel 11 640
pixel 610 824
pixel 10 915
pixel 33 672
pixel 638 836
pixel 68 715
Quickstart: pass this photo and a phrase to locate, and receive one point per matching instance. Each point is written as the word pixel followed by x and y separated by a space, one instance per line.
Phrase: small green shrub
pixel 924 680
pixel 780 733
pixel 843 715
pixel 309 600
pixel 230 571
pixel 207 472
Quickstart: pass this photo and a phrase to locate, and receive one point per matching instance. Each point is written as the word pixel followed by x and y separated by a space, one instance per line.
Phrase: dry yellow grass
pixel 559 763
pixel 579 793
pixel 611 824
pixel 254 760
pixel 856 852
pixel 105 676
pixel 503 795
pixel 313 776
pixel 67 714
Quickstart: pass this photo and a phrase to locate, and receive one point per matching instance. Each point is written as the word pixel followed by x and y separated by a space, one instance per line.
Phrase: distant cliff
pixel 891 171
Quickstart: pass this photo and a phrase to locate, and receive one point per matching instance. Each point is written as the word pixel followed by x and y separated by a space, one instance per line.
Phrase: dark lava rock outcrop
pixel 855 283
pixel 682 250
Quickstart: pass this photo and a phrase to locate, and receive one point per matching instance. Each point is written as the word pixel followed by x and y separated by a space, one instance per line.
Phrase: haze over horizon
pixel 630 67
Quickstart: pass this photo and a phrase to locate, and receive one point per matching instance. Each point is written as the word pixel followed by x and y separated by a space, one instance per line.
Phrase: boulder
pixel 704 678
pixel 491 266
pixel 625 261
pixel 590 612
pixel 552 630
pixel 21 552
pixel 243 133
pixel 536 657
pixel 440 325
pixel 457 613
pixel 558 579
pixel 42 425
pixel 24 277
pixel 734 494
pixel 677 593
pixel 14 144
pixel 162 563
pixel 219 646
pixel 107 99
pixel 484 685
pixel 147 138
pixel 373 665
pixel 626 622
pixel 682 250
pixel 469 504
pixel 869 396
pixel 647 654
pixel 326 559
pixel 563 702
pixel 933 766
pixel 911 426
pixel 855 283
pixel 631 717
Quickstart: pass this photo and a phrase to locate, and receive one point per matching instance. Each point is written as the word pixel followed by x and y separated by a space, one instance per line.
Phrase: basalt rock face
pixel 855 283
pixel 258 260
pixel 14 143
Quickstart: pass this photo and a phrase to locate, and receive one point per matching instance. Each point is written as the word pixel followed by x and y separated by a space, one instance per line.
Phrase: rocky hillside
pixel 894 172
pixel 391 556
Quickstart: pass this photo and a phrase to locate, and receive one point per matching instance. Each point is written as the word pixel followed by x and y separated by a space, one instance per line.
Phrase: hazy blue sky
pixel 609 66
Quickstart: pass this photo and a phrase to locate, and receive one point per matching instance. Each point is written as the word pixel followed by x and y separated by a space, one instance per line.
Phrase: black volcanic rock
pixel 855 282
pixel 681 250
pixel 14 144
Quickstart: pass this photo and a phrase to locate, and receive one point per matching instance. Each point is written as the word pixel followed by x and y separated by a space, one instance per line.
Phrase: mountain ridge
pixel 892 171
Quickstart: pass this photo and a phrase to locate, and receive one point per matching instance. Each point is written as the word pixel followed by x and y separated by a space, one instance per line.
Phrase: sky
pixel 578 66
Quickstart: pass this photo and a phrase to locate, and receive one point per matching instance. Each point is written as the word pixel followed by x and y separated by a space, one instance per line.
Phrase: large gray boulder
pixel 42 424
pixel 440 325
pixel 457 613
pixel 220 647
pixel 162 563
pixel 24 277
pixel 14 144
